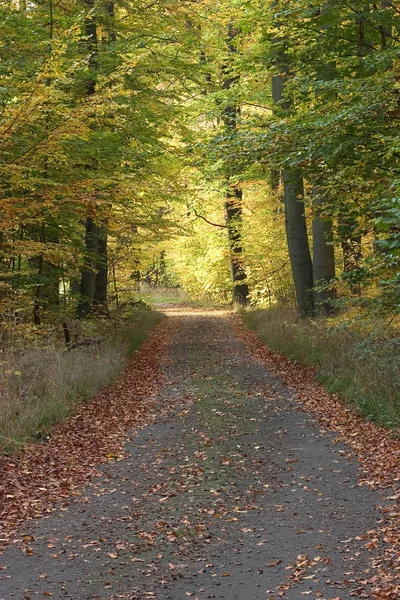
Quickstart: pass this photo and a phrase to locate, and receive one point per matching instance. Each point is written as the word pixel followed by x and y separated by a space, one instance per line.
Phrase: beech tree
pixel 125 124
pixel 234 196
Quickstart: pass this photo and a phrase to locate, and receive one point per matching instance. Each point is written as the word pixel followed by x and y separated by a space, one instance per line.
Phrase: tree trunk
pixel 91 43
pixel 38 293
pixel 88 275
pixel 385 31
pixel 351 248
pixel 101 278
pixel 233 215
pixel 364 47
pixel 323 256
pixel 234 196
pixel 110 9
pixel 297 241
pixel 295 221
pixel 322 226
pixel 88 278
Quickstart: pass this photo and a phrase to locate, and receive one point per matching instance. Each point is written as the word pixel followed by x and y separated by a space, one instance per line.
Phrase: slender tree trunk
pixel 100 298
pixel 51 272
pixel 351 254
pixel 234 195
pixel 386 31
pixel 38 293
pixel 39 286
pixel 275 179
pixel 295 221
pixel 114 278
pixel 101 278
pixel 233 215
pixel 350 240
pixel 297 241
pixel 351 247
pixel 88 277
pixel 348 226
pixel 323 256
pixel 92 46
pixel 110 9
pixel 322 226
pixel 364 47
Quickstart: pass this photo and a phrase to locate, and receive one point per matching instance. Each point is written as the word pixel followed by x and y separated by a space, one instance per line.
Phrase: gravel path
pixel 233 493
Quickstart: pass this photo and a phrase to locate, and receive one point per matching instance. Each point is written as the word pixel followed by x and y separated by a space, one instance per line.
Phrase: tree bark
pixel 51 271
pixel 233 215
pixel 295 221
pixel 38 293
pixel 297 241
pixel 92 46
pixel 101 277
pixel 88 277
pixel 234 195
pixel 322 226
pixel 323 256
pixel 100 298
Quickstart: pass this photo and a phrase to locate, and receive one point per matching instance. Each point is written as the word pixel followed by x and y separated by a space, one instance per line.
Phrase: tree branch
pixel 207 221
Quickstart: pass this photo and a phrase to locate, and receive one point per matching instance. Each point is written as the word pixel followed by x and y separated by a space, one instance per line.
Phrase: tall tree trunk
pixel 101 278
pixel 351 262
pixel 322 226
pixel 297 241
pixel 92 46
pixel 100 298
pixel 295 221
pixel 110 9
pixel 37 298
pixel 386 31
pixel 364 47
pixel 348 226
pixel 234 195
pixel 233 215
pixel 323 256
pixel 350 240
pixel 51 272
pixel 38 293
pixel 88 276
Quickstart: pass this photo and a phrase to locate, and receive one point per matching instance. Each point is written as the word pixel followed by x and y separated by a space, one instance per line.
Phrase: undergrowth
pixel 357 360
pixel 41 384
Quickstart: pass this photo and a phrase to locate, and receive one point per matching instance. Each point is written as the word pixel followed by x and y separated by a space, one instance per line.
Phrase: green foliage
pixel 66 154
pixel 149 148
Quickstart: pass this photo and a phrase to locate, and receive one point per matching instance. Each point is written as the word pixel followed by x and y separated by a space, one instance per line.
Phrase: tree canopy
pixel 243 146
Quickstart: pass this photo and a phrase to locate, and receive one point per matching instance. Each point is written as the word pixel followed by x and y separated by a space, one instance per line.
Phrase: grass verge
pixel 40 386
pixel 361 364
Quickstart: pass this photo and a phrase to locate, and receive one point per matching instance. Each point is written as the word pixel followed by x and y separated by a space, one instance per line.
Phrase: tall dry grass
pixel 39 386
pixel 359 361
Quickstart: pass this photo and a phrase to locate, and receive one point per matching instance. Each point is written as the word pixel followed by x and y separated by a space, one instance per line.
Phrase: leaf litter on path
pixel 377 450
pixel 206 479
pixel 42 475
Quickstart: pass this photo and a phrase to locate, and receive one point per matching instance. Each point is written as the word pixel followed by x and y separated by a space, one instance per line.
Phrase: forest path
pixel 234 494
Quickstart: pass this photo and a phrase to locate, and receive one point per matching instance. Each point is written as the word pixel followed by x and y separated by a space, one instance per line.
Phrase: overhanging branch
pixel 207 221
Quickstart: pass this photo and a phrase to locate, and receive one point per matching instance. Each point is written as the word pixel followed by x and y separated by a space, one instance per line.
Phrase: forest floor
pixel 236 480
